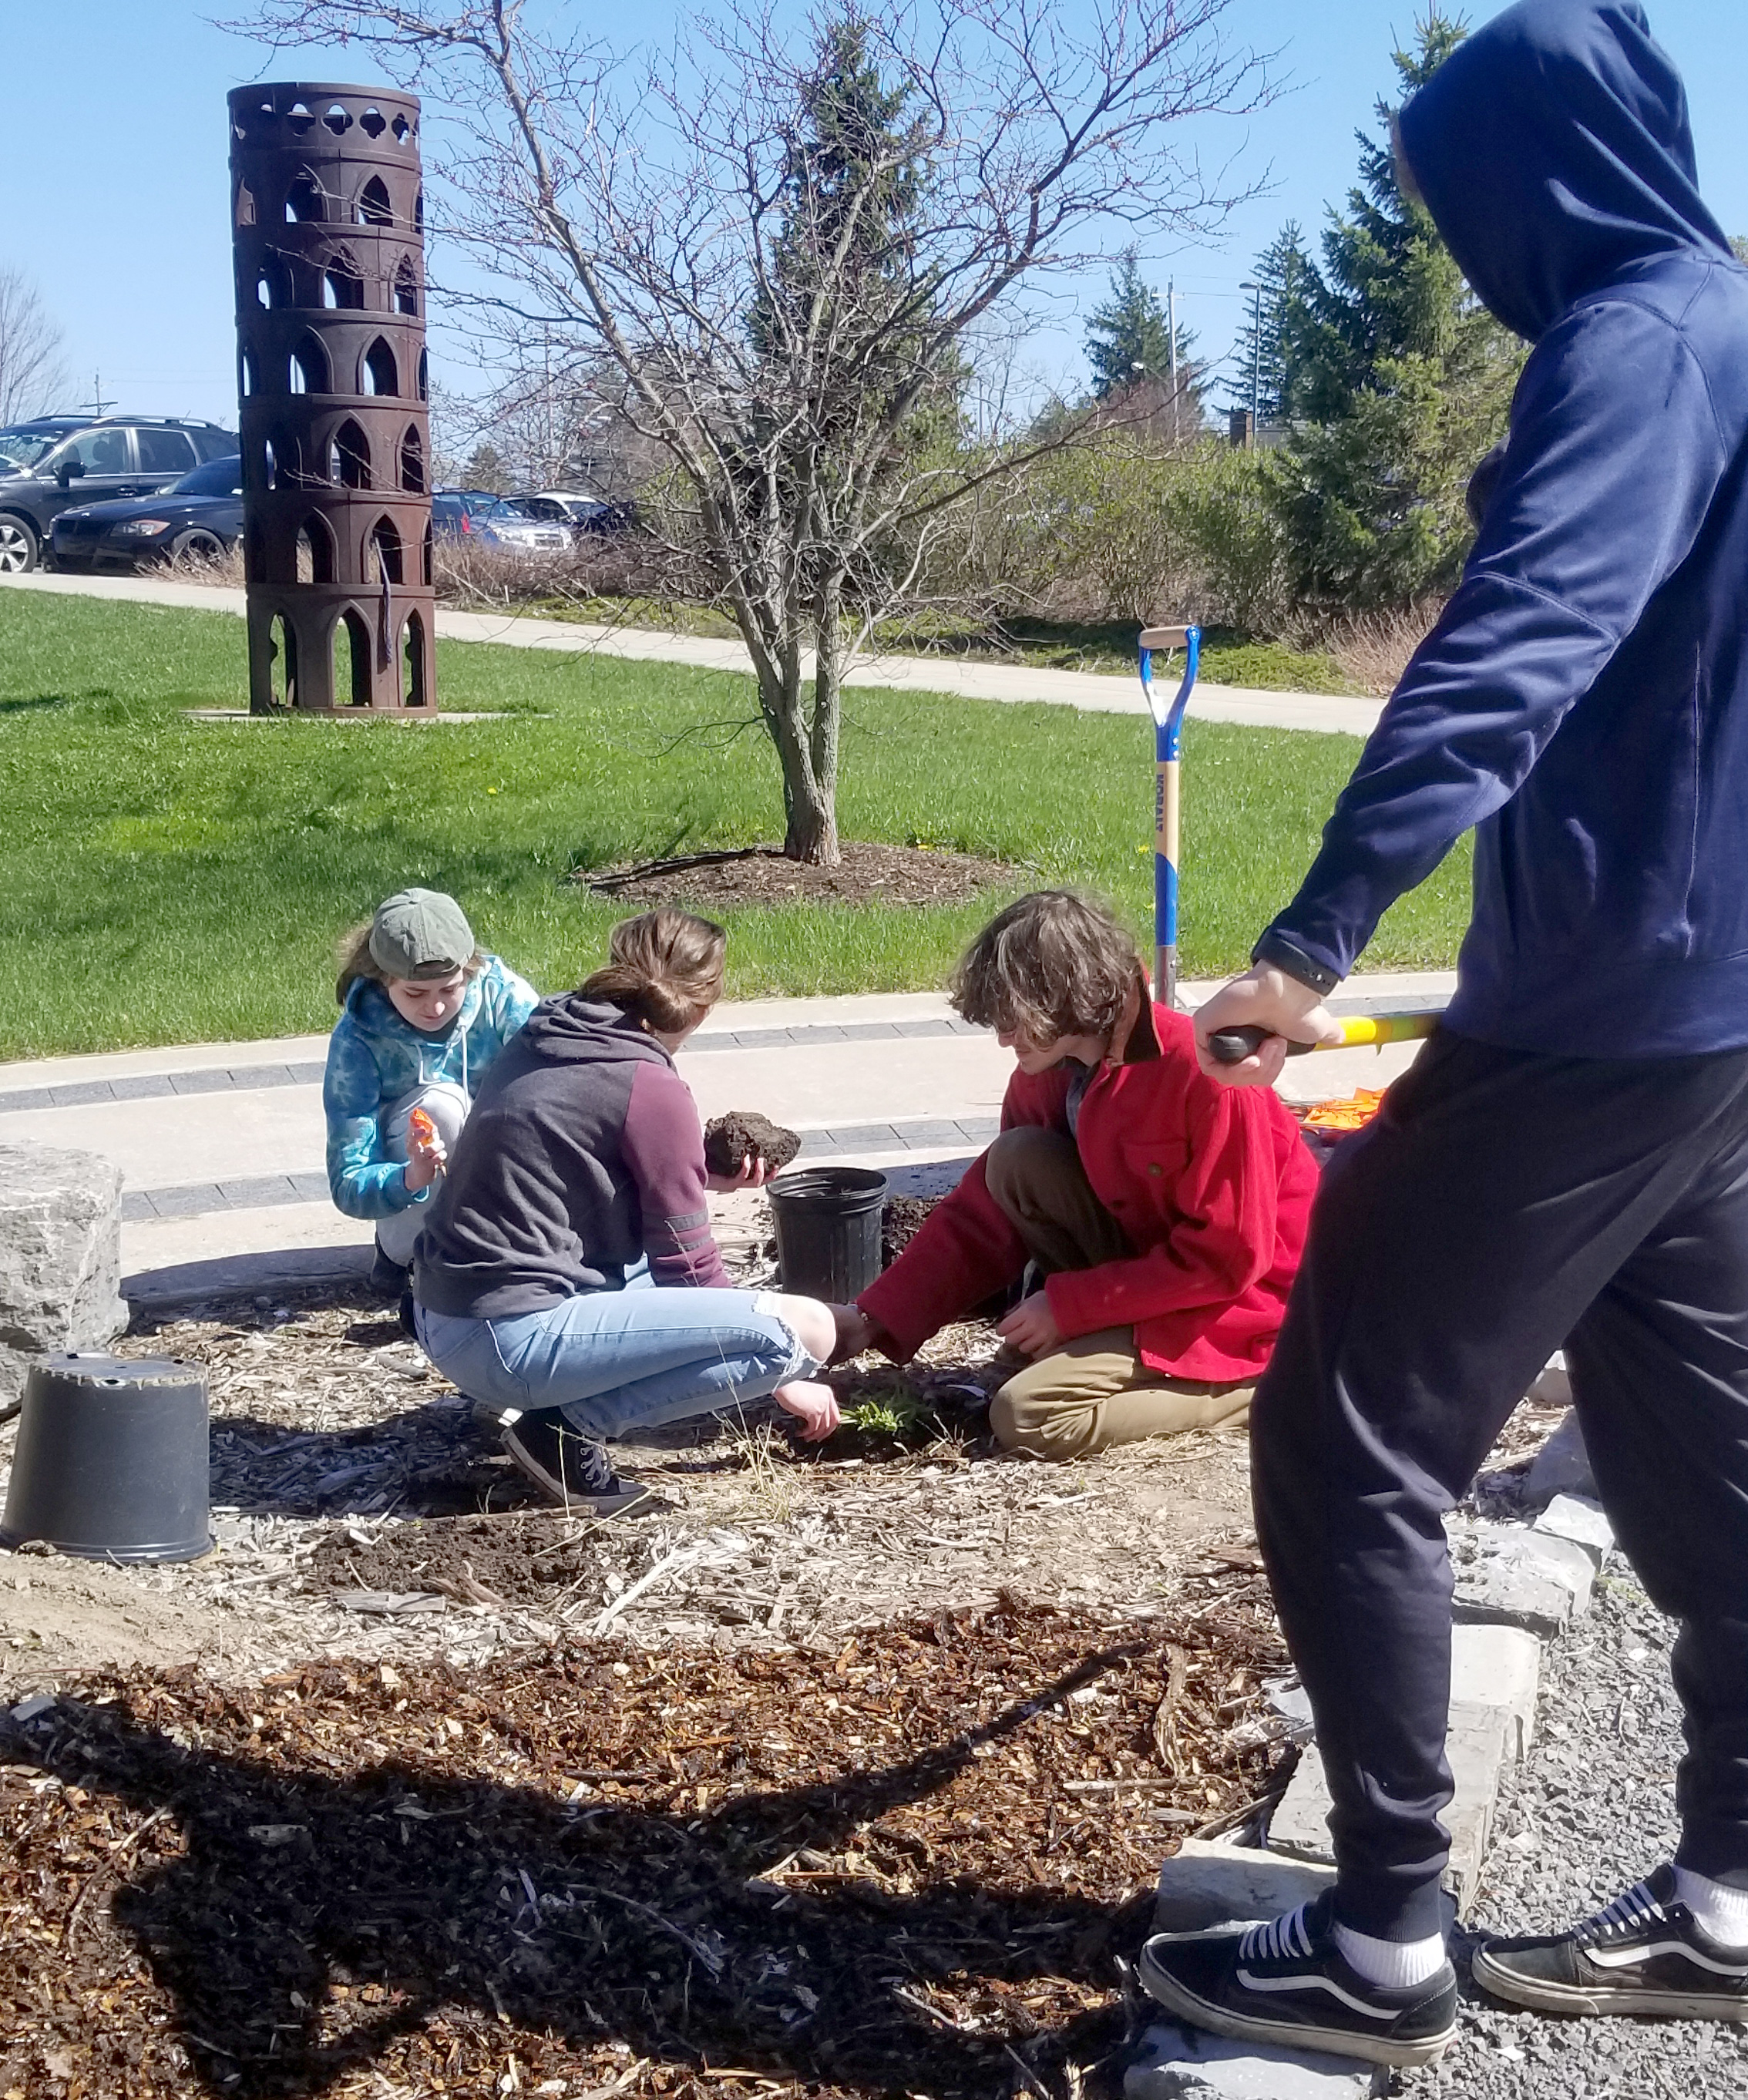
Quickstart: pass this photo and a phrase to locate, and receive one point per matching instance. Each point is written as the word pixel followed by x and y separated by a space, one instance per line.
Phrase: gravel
pixel 1591 1811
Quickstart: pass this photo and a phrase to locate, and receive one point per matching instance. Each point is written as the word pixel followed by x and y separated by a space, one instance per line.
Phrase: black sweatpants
pixel 1500 1206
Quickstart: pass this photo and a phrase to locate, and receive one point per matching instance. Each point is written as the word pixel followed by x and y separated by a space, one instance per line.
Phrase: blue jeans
pixel 617 1359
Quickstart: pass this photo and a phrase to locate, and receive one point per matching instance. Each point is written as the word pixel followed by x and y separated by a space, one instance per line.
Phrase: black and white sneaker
pixel 1287 1984
pixel 1644 1953
pixel 571 1471
pixel 387 1275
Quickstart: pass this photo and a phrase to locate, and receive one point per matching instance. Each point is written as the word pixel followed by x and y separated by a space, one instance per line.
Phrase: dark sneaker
pixel 388 1276
pixel 569 1470
pixel 1287 1984
pixel 1643 1954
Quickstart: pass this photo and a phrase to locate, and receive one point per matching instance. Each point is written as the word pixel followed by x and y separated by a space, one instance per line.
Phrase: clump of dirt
pixel 903 1865
pixel 743 1134
pixel 764 875
pixel 899 1224
pixel 495 1561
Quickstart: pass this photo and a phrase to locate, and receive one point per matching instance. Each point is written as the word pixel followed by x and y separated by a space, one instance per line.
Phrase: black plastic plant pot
pixel 111 1462
pixel 828 1222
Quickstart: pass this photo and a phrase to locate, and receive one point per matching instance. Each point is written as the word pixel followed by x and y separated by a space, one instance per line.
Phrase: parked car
pixel 54 462
pixel 199 518
pixel 589 517
pixel 474 513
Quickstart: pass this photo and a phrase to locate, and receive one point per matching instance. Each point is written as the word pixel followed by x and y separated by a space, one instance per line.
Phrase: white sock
pixel 1395 1965
pixel 1718 1909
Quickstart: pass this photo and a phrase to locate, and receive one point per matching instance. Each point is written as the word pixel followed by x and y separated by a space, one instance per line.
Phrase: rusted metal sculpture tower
pixel 327 228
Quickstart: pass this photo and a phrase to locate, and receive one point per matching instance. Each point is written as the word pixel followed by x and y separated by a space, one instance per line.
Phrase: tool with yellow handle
pixel 1359 1031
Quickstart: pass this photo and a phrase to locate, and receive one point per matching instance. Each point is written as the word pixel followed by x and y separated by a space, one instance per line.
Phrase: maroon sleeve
pixel 663 1148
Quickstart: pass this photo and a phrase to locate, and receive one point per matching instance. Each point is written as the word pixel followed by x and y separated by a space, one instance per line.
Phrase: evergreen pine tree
pixel 856 165
pixel 485 470
pixel 1400 382
pixel 1264 360
pixel 1129 337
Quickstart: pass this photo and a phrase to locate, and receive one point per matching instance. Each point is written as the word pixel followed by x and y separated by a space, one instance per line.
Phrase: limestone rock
pixel 1182 2063
pixel 1500 1667
pixel 1584 1523
pixel 1523 1579
pixel 1206 1883
pixel 60 1256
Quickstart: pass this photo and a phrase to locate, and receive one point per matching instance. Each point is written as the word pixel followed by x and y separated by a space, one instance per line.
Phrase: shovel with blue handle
pixel 1230 1046
pixel 1167 739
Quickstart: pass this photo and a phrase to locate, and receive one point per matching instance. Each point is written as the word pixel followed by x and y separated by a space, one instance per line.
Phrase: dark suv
pixel 55 461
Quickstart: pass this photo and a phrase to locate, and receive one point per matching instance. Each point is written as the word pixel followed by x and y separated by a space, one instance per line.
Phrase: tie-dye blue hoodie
pixel 374 1057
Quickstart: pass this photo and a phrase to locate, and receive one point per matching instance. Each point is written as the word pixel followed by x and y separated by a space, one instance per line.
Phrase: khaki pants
pixel 1094 1391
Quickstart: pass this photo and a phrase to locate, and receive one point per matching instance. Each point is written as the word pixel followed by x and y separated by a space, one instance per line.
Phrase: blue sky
pixel 113 154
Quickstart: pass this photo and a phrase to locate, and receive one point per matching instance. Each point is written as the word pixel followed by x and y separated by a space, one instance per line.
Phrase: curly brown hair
pixel 1053 963
pixel 665 969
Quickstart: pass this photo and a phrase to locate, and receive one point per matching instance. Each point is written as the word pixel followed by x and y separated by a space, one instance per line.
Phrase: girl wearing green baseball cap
pixel 424 1012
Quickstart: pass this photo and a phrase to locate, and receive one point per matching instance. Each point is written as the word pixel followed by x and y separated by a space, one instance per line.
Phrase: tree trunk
pixel 813 819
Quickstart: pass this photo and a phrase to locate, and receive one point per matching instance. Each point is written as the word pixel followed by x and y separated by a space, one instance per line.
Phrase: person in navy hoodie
pixel 1567 1163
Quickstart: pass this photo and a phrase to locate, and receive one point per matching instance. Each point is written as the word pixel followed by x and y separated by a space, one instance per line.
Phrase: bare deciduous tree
pixel 779 240
pixel 31 371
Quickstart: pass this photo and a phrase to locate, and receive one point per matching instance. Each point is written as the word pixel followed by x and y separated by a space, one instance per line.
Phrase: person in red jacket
pixel 1166 1213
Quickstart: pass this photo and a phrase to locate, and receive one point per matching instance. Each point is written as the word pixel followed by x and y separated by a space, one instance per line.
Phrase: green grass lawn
pixel 165 880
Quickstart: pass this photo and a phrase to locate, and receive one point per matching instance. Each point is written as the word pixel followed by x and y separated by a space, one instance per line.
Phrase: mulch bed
pixel 763 874
pixel 908 1867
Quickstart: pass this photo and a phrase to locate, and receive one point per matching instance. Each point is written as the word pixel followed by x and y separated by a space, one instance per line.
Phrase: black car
pixel 200 519
pixel 50 464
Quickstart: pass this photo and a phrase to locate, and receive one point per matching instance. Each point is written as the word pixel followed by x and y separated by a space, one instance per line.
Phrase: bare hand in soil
pixel 855 1332
pixel 753 1174
pixel 814 1407
pixel 1031 1326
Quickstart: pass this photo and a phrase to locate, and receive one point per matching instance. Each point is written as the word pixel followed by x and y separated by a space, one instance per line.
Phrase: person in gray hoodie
pixel 567 1277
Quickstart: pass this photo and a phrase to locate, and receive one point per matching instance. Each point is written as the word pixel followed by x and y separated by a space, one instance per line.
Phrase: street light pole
pixel 1171 322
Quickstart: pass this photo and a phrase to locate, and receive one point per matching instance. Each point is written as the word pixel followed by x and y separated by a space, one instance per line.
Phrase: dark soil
pixel 899 1224
pixel 744 1134
pixel 511 1560
pixel 872 1872
pixel 763 874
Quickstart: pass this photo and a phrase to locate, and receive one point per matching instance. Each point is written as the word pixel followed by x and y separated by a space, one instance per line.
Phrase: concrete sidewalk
pixel 221 1145
pixel 1091 692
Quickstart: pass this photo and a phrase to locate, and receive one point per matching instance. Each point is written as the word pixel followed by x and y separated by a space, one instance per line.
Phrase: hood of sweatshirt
pixel 1553 150
pixel 575 1031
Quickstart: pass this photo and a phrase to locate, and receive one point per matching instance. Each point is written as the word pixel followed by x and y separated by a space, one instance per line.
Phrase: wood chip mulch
pixel 912 1866
pixel 764 875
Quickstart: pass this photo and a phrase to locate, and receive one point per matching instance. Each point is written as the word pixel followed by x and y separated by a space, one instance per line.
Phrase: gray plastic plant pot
pixel 111 1462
